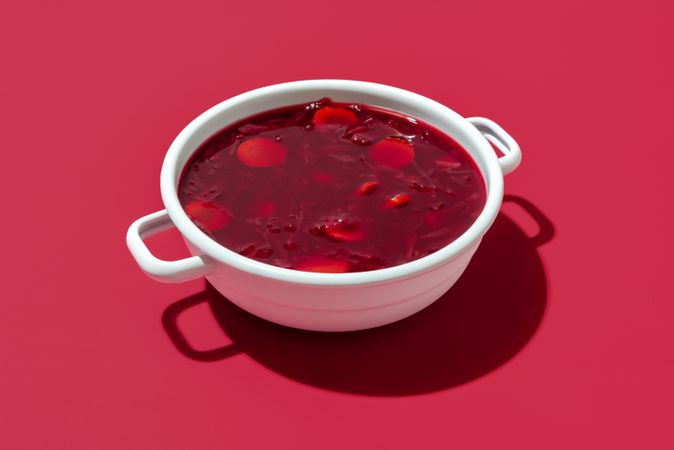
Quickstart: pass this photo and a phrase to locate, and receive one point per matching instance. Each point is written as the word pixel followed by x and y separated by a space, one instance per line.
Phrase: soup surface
pixel 331 187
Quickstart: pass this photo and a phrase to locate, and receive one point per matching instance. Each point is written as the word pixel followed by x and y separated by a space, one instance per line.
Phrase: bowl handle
pixel 165 271
pixel 499 138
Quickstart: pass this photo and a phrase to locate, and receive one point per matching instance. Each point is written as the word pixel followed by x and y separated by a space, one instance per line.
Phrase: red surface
pixel 555 338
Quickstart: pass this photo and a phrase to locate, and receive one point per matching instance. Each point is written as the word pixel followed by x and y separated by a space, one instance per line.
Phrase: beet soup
pixel 332 187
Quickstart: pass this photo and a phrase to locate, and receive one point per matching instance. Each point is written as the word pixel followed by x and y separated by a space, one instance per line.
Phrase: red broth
pixel 330 187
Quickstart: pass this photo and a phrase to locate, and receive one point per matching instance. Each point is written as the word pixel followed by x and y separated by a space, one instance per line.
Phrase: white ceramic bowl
pixel 323 301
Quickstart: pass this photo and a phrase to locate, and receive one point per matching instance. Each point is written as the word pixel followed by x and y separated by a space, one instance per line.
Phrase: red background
pixel 560 334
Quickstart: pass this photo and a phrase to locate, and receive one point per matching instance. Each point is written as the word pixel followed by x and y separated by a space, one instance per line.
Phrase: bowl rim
pixel 169 178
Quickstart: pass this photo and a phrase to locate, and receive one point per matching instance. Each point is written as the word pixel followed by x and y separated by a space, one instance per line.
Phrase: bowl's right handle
pixel 499 138
pixel 166 271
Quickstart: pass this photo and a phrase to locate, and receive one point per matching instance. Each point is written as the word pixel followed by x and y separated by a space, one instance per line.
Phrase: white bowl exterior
pixel 332 302
pixel 337 308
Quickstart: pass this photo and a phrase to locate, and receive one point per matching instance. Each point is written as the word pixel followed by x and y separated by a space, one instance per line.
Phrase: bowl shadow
pixel 484 320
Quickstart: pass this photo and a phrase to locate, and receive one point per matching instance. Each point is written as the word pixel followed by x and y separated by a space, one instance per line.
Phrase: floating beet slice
pixel 344 230
pixel 208 215
pixel 333 115
pixel 397 201
pixel 448 162
pixel 262 209
pixel 367 188
pixel 393 152
pixel 323 264
pixel 261 152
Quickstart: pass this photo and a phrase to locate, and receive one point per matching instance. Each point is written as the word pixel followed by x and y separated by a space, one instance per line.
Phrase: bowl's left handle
pixel 499 138
pixel 165 271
